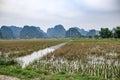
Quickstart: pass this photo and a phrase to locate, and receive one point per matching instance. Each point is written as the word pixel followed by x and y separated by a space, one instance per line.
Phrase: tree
pixel 105 33
pixel 117 32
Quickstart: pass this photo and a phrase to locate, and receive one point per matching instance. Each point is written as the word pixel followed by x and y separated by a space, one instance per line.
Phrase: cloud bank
pixel 47 13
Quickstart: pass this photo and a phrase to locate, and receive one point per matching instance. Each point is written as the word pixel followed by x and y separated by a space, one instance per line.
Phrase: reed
pixel 80 60
pixel 53 65
pixel 17 48
pixel 99 59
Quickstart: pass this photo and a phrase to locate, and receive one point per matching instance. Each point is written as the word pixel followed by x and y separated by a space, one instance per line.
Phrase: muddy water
pixel 26 60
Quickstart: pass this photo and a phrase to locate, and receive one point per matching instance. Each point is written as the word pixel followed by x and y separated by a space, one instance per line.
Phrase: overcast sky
pixel 87 14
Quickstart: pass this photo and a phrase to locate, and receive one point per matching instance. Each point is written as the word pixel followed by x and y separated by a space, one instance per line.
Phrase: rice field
pixel 101 59
pixel 80 59
pixel 17 48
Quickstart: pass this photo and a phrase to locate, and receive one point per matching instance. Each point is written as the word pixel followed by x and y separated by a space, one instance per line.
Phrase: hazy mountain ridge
pixel 16 31
pixel 73 33
pixel 6 33
pixel 0 34
pixel 29 32
pixel 82 31
pixel 58 31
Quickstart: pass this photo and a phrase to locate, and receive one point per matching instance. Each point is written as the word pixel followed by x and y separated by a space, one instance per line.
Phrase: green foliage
pixel 96 40
pixel 105 33
pixel 117 32
pixel 68 76
pixel 6 62
pixel 17 71
pixel 62 72
pixel 31 73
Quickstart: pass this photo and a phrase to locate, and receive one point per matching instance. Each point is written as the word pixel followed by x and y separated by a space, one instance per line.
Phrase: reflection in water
pixel 26 60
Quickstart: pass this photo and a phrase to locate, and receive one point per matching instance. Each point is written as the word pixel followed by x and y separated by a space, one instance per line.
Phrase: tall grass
pixel 80 50
pixel 101 59
pixel 16 48
pixel 81 60
pixel 62 65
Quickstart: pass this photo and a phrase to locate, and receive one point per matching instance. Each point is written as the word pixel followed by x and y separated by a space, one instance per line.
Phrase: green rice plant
pixel 63 66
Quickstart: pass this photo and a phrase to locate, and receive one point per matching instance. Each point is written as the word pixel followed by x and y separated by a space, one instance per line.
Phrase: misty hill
pixel 16 31
pixel 29 32
pixel 6 32
pixel 73 33
pixel 57 32
pixel 0 34
pixel 44 35
pixel 92 33
pixel 50 32
pixel 82 31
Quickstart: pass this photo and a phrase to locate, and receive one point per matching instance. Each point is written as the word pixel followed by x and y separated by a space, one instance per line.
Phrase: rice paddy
pixel 80 59
pixel 17 48
pixel 100 59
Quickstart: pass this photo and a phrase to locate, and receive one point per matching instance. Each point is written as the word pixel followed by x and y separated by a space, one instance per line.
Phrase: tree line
pixel 107 33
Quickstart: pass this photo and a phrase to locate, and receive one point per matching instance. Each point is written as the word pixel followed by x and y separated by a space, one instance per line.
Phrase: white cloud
pixel 40 8
pixel 99 5
pixel 48 13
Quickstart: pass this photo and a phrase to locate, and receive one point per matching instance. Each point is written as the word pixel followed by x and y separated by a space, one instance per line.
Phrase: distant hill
pixel 92 33
pixel 73 33
pixel 16 31
pixel 29 32
pixel 57 32
pixel 0 34
pixel 44 35
pixel 82 31
pixel 50 32
pixel 6 33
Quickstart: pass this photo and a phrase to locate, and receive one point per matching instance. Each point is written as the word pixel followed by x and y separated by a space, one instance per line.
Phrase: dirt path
pixel 4 77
